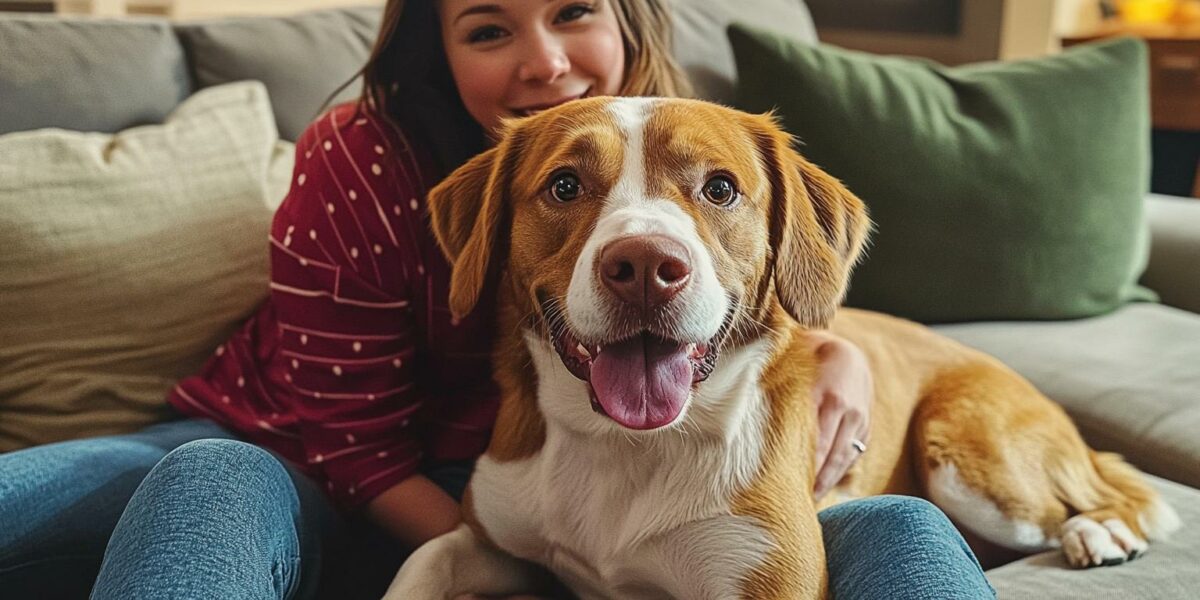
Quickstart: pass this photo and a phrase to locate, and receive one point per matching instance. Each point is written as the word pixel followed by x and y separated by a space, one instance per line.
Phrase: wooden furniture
pixel 1174 72
pixel 33 6
pixel 983 29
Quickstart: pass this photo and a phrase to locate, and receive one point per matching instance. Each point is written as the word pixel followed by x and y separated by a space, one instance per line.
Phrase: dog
pixel 661 266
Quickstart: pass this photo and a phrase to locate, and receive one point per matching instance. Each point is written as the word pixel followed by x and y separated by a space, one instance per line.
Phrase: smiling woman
pixel 464 65
pixel 521 58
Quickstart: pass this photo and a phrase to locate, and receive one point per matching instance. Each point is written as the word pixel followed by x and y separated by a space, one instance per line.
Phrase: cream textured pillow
pixel 127 258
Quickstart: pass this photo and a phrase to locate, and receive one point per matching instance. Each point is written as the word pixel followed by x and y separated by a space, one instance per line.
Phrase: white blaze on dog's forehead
pixel 630 210
pixel 630 116
pixel 630 195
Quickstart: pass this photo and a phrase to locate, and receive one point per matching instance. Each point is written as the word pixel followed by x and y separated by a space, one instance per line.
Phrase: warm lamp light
pixel 1147 11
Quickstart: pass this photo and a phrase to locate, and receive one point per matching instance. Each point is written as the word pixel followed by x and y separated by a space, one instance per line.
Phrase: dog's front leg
pixel 460 563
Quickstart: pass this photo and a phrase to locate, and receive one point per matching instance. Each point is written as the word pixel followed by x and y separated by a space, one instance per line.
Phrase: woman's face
pixel 512 58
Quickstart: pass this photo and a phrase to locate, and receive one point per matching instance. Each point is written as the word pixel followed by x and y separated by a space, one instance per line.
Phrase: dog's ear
pixel 470 213
pixel 818 229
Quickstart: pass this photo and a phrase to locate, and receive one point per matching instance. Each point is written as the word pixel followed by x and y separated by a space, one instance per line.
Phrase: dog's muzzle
pixel 643 381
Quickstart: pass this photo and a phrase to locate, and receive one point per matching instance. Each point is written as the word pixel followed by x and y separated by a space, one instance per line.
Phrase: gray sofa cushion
pixel 1168 570
pixel 1174 248
pixel 301 59
pixel 87 74
pixel 1129 379
pixel 702 48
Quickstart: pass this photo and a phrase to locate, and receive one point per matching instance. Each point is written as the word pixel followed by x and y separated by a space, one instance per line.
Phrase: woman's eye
pixel 720 191
pixel 485 34
pixel 565 187
pixel 574 12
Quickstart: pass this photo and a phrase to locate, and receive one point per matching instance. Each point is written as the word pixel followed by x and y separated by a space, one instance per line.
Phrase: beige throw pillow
pixel 127 258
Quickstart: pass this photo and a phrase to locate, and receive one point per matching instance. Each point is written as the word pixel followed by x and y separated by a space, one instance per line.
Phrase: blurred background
pixel 948 31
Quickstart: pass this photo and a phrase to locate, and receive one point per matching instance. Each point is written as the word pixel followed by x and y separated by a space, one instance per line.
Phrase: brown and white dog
pixel 661 264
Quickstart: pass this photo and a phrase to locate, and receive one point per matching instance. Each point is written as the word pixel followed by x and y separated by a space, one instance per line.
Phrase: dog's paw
pixel 421 577
pixel 1087 543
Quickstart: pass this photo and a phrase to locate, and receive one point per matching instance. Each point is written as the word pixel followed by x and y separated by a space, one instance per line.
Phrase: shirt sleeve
pixel 343 249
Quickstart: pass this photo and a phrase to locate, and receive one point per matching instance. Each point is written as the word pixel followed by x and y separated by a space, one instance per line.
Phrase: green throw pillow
pixel 998 190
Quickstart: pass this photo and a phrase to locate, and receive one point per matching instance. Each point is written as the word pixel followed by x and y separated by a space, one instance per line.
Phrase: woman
pixel 363 402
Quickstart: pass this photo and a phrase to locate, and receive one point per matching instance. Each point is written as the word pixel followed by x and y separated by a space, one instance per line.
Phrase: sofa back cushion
pixel 88 74
pixel 702 48
pixel 128 258
pixel 301 59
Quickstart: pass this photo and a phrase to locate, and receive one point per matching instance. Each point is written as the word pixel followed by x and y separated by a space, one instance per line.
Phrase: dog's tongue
pixel 643 382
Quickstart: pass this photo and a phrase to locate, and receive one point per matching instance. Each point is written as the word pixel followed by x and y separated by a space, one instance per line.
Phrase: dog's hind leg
pixel 459 563
pixel 1006 463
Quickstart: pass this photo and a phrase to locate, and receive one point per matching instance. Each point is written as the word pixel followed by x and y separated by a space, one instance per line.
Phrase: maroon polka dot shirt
pixel 353 368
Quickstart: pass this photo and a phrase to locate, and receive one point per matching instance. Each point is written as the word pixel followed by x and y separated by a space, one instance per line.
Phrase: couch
pixel 1130 379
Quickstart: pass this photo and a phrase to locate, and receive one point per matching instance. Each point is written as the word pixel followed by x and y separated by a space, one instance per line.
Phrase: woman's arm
pixel 842 396
pixel 414 511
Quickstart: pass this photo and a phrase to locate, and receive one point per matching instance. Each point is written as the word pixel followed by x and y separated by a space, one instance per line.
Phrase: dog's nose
pixel 645 271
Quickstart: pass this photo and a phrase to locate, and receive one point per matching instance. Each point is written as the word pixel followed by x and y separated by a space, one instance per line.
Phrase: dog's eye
pixel 720 191
pixel 565 187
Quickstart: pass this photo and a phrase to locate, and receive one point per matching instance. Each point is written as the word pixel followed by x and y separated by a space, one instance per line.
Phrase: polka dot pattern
pixel 336 336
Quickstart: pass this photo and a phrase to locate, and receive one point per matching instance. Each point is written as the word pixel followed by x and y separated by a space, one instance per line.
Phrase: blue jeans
pixel 899 548
pixel 182 510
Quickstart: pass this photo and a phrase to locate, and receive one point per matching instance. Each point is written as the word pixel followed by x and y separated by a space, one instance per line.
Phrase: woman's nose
pixel 544 60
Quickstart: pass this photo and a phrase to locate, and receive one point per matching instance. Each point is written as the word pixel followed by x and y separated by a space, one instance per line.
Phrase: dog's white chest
pixel 606 538
pixel 633 517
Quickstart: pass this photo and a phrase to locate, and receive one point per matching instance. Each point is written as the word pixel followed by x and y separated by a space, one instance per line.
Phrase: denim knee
pixel 243 485
pixel 225 508
pixel 921 514
pixel 914 519
pixel 898 547
pixel 206 457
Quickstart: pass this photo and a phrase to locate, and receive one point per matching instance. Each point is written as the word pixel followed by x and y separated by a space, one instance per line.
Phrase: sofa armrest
pixel 1174 269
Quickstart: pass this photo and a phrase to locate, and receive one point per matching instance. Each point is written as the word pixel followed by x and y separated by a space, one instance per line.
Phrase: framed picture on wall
pixel 948 31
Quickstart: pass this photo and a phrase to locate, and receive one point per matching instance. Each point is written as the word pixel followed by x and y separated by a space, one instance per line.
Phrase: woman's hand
pixel 842 395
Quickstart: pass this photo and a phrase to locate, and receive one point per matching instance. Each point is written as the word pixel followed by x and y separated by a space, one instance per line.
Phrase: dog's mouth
pixel 643 381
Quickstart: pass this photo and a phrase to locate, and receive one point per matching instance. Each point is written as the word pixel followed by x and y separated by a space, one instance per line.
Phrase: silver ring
pixel 859 445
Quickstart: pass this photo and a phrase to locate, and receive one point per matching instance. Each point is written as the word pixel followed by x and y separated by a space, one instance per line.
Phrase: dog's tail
pixel 1112 485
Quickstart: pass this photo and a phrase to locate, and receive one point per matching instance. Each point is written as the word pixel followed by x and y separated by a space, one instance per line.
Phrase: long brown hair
pixel 406 78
